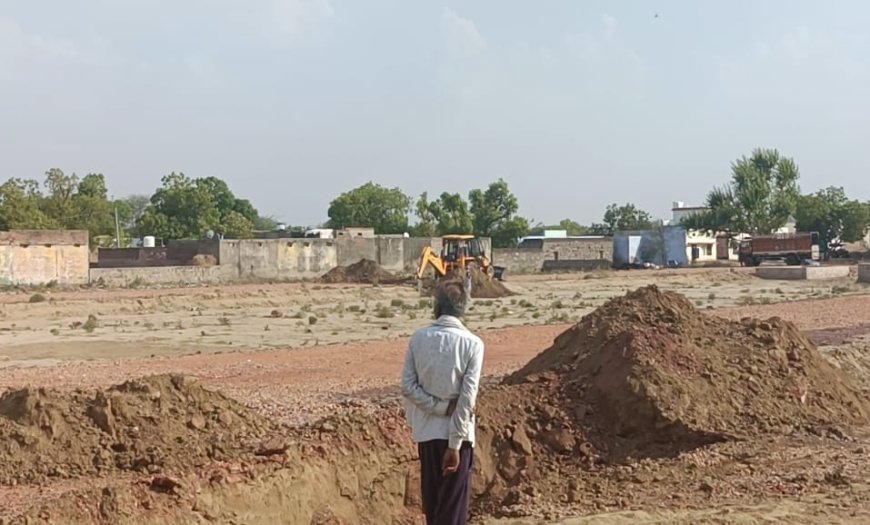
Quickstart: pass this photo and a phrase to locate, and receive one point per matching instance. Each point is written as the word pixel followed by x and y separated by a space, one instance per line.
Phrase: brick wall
pixel 579 249
pixel 577 254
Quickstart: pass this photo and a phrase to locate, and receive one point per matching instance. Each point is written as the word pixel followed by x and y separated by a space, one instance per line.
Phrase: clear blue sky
pixel 575 104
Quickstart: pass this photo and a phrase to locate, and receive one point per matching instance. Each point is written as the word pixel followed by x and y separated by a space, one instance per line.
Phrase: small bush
pixel 397 303
pixel 138 282
pixel 354 308
pixel 37 298
pixel 91 324
pixel 55 331
pixel 384 312
pixel 276 314
pixel 312 320
pixel 224 321
pixel 839 289
pixel 711 297
pixel 557 305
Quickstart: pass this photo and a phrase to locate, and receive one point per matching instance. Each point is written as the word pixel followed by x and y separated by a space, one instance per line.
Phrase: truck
pixel 793 248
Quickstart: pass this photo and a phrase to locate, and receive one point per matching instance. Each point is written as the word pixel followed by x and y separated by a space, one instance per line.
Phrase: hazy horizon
pixel 575 105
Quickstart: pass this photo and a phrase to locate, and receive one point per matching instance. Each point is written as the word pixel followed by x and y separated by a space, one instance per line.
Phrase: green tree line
pixel 763 193
pixel 182 208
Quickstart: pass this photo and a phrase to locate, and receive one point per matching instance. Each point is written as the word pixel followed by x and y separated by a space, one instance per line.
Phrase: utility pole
pixel 117 230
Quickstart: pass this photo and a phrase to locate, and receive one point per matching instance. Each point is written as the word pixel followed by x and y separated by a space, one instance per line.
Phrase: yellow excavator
pixel 459 253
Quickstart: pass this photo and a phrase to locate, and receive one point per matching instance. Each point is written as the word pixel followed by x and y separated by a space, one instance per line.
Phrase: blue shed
pixel 657 246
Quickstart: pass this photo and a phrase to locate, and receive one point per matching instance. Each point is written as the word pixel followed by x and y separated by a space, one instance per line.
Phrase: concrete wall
pixel 578 254
pixel 33 257
pixel 277 258
pixel 175 253
pixel 390 253
pixel 156 275
pixel 519 260
pixel 132 257
pixel 281 258
pixel 811 273
pixel 575 265
pixel 184 251
pixel 584 250
pixel 864 273
pixel 352 249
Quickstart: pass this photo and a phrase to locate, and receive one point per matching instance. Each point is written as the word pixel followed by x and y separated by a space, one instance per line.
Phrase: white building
pixel 700 246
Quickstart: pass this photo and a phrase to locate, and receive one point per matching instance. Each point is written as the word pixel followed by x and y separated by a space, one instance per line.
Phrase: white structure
pixel 790 226
pixel 700 246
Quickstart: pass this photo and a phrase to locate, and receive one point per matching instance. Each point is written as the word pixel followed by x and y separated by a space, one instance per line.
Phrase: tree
pixel 20 206
pixel 427 223
pixel 91 209
pixel 622 218
pixel 494 214
pixel 507 234
pixel 185 208
pixel 448 214
pixel 762 194
pixel 267 223
pixel 136 206
pixel 58 202
pixel 830 213
pixel 384 209
pixel 237 226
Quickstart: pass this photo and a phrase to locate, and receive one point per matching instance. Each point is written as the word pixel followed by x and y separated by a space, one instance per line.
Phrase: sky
pixel 575 104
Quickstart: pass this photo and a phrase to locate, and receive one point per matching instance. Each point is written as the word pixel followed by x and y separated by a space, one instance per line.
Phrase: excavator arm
pixel 428 258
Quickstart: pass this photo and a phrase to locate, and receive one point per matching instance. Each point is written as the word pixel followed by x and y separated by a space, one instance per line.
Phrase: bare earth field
pixel 296 353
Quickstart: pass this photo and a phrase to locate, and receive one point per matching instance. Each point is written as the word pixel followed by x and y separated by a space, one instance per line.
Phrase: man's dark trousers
pixel 445 498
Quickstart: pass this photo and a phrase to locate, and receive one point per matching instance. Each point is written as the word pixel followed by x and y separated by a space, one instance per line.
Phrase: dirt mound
pixel 482 286
pixel 145 425
pixel 485 287
pixel 206 261
pixel 353 467
pixel 364 271
pixel 648 375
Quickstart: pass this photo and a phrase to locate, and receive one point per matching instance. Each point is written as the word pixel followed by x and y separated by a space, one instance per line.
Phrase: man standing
pixel 439 383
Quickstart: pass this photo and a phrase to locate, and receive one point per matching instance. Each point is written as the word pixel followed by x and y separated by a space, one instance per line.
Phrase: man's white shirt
pixel 443 363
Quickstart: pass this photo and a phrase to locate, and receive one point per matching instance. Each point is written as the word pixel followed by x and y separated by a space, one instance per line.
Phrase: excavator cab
pixel 458 254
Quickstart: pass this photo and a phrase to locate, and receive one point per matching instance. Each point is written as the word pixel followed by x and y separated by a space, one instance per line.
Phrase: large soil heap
pixel 482 286
pixel 144 426
pixel 364 271
pixel 485 287
pixel 648 375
